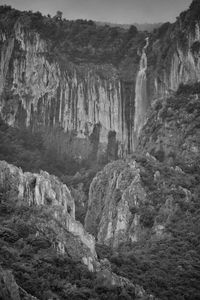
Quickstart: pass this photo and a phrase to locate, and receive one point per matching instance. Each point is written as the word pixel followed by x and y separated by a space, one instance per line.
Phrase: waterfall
pixel 141 93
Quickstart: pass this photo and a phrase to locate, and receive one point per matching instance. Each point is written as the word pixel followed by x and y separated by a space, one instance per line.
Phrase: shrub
pixel 195 48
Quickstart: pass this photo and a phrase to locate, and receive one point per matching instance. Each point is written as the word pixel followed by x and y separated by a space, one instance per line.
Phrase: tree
pixel 58 15
pixel 132 31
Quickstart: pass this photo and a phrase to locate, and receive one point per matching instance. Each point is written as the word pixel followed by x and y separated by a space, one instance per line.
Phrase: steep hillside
pixel 48 193
pixel 147 210
pixel 43 249
pixel 174 53
pixel 172 132
pixel 136 200
pixel 38 234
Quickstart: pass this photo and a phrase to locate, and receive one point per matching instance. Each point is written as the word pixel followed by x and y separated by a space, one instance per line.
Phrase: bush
pixel 147 217
pixel 186 89
pixel 195 48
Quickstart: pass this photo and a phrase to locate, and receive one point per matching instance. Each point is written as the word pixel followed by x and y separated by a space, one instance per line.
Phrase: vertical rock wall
pixel 41 89
pixel 36 91
pixel 115 193
pixel 180 64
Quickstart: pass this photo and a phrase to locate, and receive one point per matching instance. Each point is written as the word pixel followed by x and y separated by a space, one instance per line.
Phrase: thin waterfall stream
pixel 141 93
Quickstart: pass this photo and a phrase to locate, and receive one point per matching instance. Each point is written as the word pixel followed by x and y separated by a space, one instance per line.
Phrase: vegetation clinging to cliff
pixel 79 40
pixel 167 265
pixel 178 142
pixel 169 268
pixel 36 265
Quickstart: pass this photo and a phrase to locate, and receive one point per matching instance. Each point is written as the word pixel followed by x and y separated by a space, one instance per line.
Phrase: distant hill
pixel 141 27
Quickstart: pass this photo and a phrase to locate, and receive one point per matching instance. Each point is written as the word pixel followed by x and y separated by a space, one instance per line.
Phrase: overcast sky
pixel 119 11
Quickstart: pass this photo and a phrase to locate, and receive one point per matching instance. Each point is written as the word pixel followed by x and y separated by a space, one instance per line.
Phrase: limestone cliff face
pixel 173 58
pixel 47 192
pixel 171 133
pixel 43 88
pixel 114 194
pixel 174 55
pixel 36 91
pixel 135 200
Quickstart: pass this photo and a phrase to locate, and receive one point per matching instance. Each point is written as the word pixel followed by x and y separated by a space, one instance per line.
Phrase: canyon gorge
pixel 113 114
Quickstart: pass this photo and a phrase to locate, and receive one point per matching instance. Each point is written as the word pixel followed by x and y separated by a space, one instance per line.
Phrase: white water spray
pixel 141 93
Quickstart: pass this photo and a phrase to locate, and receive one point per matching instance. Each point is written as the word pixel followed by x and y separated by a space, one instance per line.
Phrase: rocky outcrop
pixel 8 286
pixel 114 194
pixel 171 133
pixel 54 198
pixel 135 200
pixel 106 278
pixel 174 54
pixel 9 290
